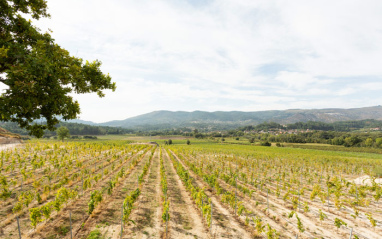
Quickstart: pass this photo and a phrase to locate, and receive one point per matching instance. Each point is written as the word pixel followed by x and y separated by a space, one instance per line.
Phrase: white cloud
pixel 346 91
pixel 177 56
pixel 297 80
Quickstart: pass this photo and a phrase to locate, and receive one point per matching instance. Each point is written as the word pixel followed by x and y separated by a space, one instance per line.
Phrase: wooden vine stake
pixel 70 218
pixel 328 198
pixel 18 226
pixel 122 220
pixel 235 192
pixel 267 200
pixel 166 222
pixel 299 195
pixel 211 221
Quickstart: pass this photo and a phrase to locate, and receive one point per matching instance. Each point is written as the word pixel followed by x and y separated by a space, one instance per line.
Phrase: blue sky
pixel 224 55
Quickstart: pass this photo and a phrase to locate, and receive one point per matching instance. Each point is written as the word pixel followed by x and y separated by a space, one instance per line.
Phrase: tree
pixel 38 73
pixel 378 142
pixel 188 142
pixel 369 142
pixel 62 133
pixel 265 143
pixel 351 141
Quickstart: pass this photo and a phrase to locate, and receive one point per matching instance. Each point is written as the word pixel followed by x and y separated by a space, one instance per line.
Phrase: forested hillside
pixel 74 129
pixel 211 121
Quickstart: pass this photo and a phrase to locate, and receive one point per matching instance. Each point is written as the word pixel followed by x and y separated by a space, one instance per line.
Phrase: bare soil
pixel 225 225
pixel 185 221
pixel 145 215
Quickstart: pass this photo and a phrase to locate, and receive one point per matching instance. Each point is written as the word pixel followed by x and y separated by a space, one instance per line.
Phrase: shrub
pixel 266 143
pixel 90 137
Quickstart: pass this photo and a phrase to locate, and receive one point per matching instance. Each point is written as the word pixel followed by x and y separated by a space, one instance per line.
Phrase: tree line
pixel 324 137
pixel 74 129
pixel 340 126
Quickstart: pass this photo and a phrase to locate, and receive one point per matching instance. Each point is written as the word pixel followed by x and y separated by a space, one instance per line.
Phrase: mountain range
pixel 221 120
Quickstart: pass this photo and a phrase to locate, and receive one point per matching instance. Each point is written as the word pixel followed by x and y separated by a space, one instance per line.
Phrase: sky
pixel 224 55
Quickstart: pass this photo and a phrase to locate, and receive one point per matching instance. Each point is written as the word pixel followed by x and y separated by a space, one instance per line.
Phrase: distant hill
pixel 217 121
pixel 339 126
pixel 78 121
pixel 74 129
pixel 221 120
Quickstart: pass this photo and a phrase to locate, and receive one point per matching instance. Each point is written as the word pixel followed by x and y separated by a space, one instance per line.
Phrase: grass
pixel 115 137
pixel 314 157
pixel 377 171
pixel 310 152
pixel 276 151
pixel 63 230
pixel 96 234
pixel 329 147
pixel 187 227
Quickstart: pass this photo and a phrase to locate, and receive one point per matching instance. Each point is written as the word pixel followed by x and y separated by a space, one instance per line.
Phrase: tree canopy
pixel 38 73
pixel 63 133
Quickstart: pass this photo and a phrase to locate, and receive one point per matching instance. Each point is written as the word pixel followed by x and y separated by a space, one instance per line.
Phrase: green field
pixel 312 187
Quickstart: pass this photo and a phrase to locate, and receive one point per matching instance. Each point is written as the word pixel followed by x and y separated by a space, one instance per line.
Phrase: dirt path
pixel 225 225
pixel 145 215
pixel 185 221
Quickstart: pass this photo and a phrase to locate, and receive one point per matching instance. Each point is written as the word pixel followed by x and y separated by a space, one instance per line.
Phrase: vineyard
pixel 115 189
